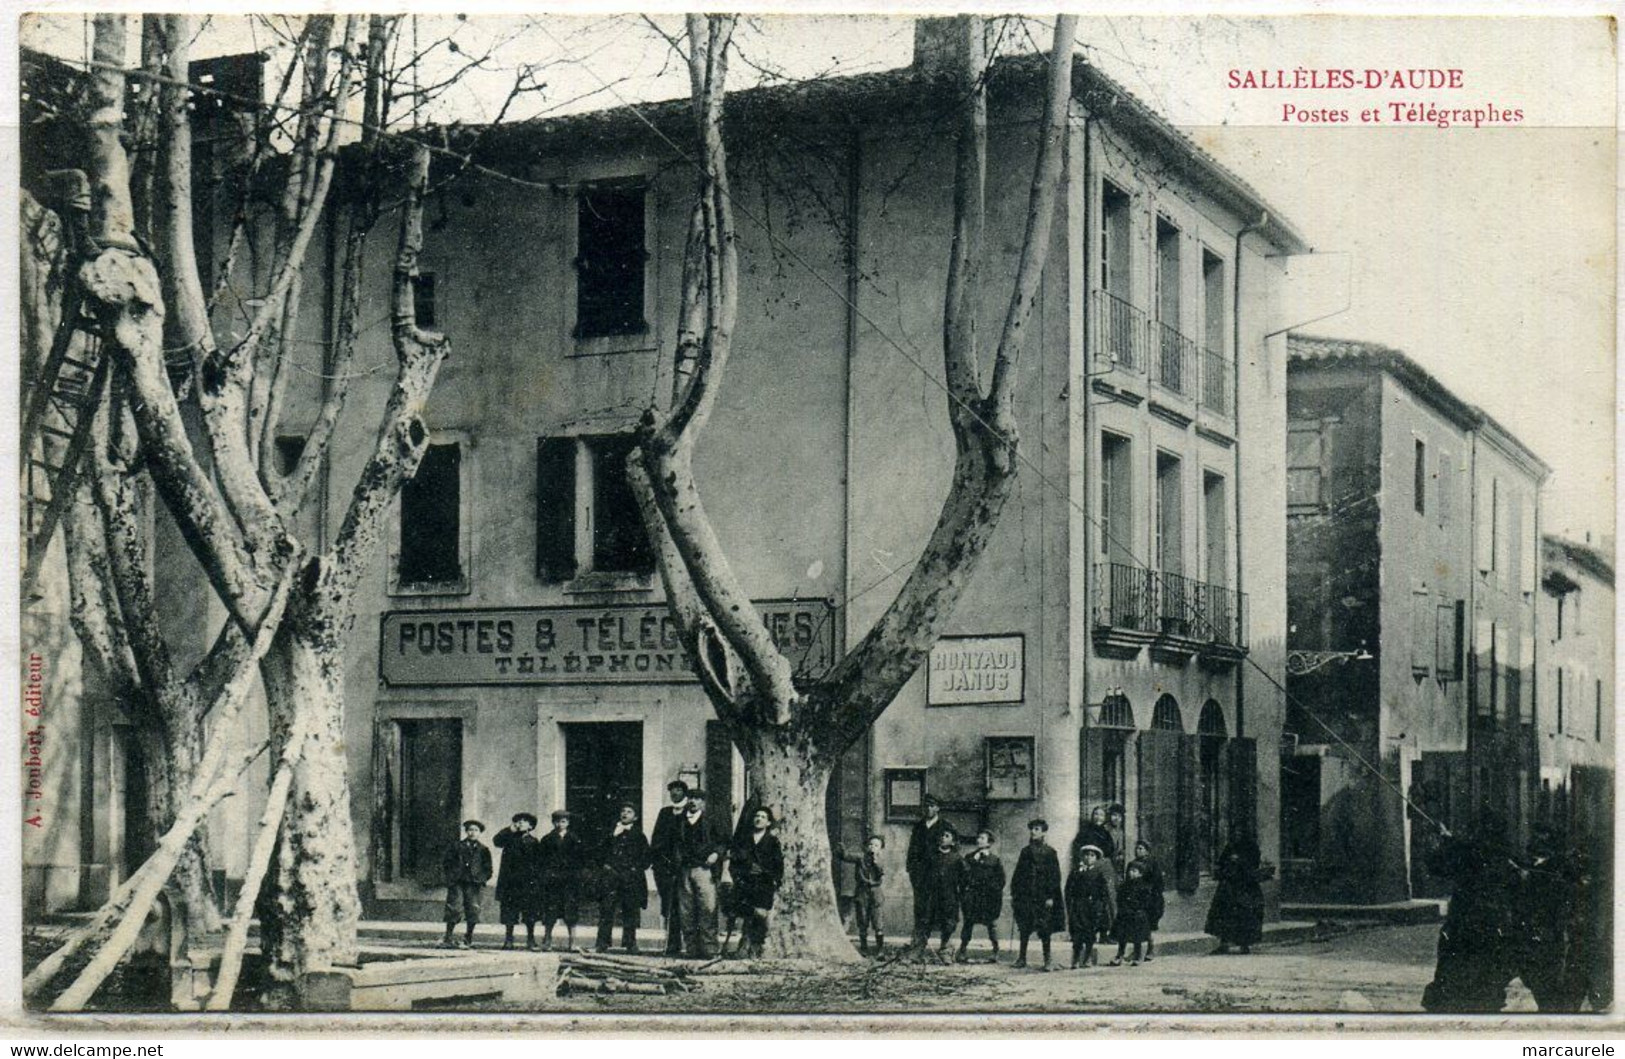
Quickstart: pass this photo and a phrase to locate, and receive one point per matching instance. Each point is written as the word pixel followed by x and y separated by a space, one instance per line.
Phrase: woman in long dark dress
pixel 1236 916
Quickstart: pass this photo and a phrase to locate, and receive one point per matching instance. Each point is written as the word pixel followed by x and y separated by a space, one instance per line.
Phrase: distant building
pixel 1413 556
pixel 1575 720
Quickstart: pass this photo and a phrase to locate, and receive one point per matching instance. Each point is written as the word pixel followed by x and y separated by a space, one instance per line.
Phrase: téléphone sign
pixel 624 644
pixel 975 671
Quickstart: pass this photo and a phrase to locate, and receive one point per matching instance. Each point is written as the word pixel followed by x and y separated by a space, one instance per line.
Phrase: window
pixel 1170 543
pixel 1116 498
pixel 1448 619
pixel 1560 600
pixel 1305 466
pixel 1419 478
pixel 610 260
pixel 1215 518
pixel 1114 240
pixel 423 303
pixel 587 519
pixel 430 551
pixel 1009 766
pixel 1167 301
pixel 1165 715
pixel 1484 518
pixel 1444 488
pixel 1528 547
pixel 1213 323
pixel 1560 699
pixel 1597 721
pixel 1423 629
pixel 905 794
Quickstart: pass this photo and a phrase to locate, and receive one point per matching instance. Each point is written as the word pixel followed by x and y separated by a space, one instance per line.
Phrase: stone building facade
pixel 1413 557
pixel 1124 639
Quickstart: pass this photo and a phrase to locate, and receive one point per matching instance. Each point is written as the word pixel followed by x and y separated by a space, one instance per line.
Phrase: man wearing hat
pixel 920 862
pixel 663 849
pixel 519 883
pixel 563 858
pixel 702 843
pixel 468 869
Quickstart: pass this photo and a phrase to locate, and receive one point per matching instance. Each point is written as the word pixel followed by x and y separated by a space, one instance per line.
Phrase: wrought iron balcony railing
pixel 1125 597
pixel 1176 359
pixel 1120 335
pixel 1216 391
pixel 1171 605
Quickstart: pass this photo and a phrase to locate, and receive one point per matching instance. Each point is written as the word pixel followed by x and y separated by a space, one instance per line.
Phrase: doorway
pixel 431 798
pixel 603 768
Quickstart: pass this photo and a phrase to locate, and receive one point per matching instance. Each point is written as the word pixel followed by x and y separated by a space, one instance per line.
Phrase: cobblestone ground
pixel 1366 970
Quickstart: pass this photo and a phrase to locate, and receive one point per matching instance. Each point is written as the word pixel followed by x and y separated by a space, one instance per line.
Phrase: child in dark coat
pixel 624 885
pixel 1136 903
pixel 938 886
pixel 1035 892
pixel 981 892
pixel 468 869
pixel 757 865
pixel 1152 870
pixel 519 883
pixel 563 857
pixel 867 875
pixel 1087 905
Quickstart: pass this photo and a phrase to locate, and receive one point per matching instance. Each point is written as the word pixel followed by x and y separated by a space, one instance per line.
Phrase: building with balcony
pixel 1124 637
pixel 1412 554
pixel 1575 720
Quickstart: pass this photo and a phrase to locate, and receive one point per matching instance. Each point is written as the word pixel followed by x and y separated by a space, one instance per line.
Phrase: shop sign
pixel 975 670
pixel 625 644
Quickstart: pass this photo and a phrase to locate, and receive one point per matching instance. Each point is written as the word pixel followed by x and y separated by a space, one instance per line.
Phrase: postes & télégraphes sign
pixel 626 644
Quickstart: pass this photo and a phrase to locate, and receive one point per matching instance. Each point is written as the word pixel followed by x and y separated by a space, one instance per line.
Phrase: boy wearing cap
pixel 920 860
pixel 1035 892
pixel 562 859
pixel 702 843
pixel 468 869
pixel 519 883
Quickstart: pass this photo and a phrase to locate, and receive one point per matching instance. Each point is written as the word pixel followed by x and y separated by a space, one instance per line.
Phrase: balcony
pixel 1176 615
pixel 1120 335
pixel 1176 359
pixel 1216 387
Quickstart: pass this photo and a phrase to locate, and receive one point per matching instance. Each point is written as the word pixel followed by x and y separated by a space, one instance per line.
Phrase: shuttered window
pixel 556 509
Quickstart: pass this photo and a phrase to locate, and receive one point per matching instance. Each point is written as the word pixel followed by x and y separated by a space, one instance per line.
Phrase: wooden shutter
pixel 385 758
pixel 555 509
pixel 1244 787
pixel 1186 862
pixel 719 770
pixel 1158 816
pixel 1091 774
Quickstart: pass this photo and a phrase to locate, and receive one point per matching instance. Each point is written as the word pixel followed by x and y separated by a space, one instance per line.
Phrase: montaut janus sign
pixel 974 670
pixel 625 644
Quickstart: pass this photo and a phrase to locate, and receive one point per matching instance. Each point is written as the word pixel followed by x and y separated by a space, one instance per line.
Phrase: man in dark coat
pixel 939 882
pixel 1552 962
pixel 1478 952
pixel 702 843
pixel 1088 904
pixel 919 862
pixel 519 883
pixel 981 893
pixel 563 857
pixel 1035 892
pixel 468 869
pixel 663 850
pixel 625 887
pixel 756 863
pixel 1236 916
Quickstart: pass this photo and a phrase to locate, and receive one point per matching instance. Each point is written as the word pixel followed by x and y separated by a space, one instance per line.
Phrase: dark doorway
pixel 431 794
pixel 139 841
pixel 603 767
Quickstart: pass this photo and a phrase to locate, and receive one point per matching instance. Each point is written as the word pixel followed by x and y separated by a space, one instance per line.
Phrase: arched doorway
pixel 1104 753
pixel 1157 816
pixel 1212 736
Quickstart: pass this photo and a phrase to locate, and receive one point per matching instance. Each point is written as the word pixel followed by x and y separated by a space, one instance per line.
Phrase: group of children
pixel 1103 898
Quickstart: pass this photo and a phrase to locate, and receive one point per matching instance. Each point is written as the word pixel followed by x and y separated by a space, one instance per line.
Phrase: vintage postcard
pixel 527 516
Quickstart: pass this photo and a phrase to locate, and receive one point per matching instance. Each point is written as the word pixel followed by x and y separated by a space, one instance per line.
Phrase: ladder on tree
pixel 57 414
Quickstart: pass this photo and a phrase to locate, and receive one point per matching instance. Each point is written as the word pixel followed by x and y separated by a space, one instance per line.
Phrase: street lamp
pixel 1302 663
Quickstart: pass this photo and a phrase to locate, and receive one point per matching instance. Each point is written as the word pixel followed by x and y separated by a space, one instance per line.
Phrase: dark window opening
pixel 431 519
pixel 610 261
pixel 556 509
pixel 1167 300
pixel 619 542
pixel 1165 715
pixel 1419 478
pixel 1305 451
pixel 288 450
pixel 423 304
pixel 1597 730
pixel 1560 700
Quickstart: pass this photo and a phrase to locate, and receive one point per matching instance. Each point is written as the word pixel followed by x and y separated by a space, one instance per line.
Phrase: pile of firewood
pixel 601 973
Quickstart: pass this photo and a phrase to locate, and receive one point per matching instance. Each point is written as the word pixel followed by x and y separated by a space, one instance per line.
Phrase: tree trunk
pixel 785 773
pixel 314 900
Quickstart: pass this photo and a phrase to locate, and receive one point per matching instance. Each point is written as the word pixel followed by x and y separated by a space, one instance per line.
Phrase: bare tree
pixel 792 737
pixel 200 449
